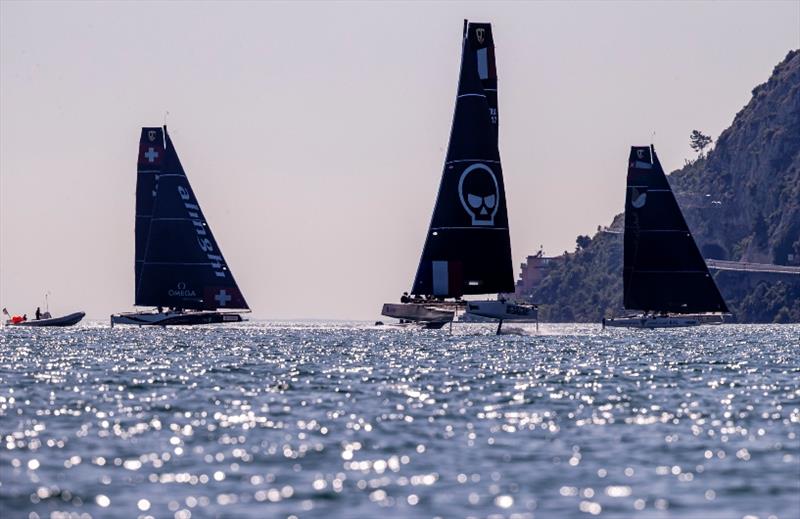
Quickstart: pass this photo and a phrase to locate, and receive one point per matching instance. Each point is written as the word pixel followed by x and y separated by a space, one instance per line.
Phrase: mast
pixel 181 264
pixel 663 268
pixel 468 248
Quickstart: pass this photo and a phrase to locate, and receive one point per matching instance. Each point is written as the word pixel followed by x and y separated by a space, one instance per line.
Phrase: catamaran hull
pixel 417 312
pixel 175 318
pixel 652 322
pixel 428 325
pixel 503 310
pixel 66 320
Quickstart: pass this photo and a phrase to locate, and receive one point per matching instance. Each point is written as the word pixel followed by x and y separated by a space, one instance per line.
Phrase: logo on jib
pixel 203 237
pixel 638 198
pixel 480 194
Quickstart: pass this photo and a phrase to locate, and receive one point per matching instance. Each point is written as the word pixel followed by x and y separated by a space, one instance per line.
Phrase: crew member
pixel 38 313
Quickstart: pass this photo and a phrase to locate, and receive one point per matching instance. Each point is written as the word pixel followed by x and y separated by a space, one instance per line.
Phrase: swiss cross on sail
pixel 151 155
pixel 468 249
pixel 222 298
pixel 178 262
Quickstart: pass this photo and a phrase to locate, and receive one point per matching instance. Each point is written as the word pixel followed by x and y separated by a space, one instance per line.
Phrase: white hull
pixel 503 310
pixel 174 318
pixel 417 312
pixel 659 321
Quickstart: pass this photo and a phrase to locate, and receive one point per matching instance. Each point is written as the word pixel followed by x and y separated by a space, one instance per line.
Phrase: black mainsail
pixel 663 268
pixel 178 261
pixel 468 248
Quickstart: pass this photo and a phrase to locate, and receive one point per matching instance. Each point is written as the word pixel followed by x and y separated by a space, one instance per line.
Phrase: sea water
pixel 348 420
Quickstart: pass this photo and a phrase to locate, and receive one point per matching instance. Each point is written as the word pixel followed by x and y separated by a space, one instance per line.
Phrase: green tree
pixel 698 141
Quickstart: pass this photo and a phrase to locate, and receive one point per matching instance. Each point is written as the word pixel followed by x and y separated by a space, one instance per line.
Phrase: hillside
pixel 742 202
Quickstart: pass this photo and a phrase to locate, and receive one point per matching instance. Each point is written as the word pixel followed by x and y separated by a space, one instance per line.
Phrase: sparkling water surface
pixel 347 420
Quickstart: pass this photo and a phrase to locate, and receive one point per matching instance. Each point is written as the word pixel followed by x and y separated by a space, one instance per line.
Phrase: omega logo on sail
pixel 200 228
pixel 181 291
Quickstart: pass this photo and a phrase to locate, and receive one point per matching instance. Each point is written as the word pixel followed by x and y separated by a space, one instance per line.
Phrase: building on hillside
pixel 532 272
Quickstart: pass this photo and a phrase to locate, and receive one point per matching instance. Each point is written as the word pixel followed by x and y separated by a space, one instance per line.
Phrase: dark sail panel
pixel 148 167
pixel 183 266
pixel 468 249
pixel 663 268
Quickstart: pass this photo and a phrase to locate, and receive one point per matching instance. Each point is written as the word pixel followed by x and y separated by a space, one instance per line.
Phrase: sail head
pixel 182 265
pixel 663 268
pixel 468 249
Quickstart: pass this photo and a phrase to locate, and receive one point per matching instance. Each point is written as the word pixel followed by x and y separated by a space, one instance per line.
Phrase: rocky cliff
pixel 742 202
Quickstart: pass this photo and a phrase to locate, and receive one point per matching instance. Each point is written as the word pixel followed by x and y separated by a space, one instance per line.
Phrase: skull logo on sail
pixel 479 194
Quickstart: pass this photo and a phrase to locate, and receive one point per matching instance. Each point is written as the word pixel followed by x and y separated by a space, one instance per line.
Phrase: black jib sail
pixel 178 261
pixel 468 249
pixel 664 270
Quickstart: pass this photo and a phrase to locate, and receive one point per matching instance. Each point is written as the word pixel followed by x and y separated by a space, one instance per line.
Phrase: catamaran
pixel 664 274
pixel 468 248
pixel 179 268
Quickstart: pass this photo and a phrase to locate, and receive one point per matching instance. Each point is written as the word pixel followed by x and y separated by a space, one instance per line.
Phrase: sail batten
pixel 470 228
pixel 459 257
pixel 663 268
pixel 472 160
pixel 178 262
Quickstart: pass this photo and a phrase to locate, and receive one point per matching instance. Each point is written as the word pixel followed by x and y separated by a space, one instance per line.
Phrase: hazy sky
pixel 314 133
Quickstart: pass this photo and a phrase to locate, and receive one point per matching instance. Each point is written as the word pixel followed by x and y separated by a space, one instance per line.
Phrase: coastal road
pixel 743 266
